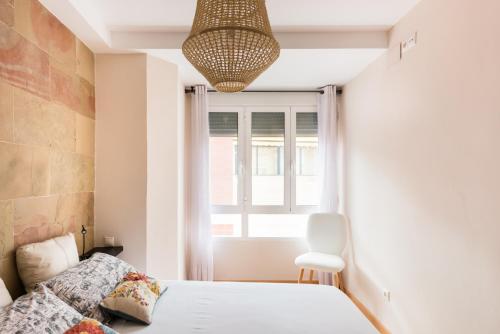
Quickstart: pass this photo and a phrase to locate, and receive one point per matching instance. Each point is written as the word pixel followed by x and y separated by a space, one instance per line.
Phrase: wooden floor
pixel 375 322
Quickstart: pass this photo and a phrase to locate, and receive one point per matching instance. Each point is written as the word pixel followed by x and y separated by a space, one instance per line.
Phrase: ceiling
pixel 321 66
pixel 118 14
pixel 357 34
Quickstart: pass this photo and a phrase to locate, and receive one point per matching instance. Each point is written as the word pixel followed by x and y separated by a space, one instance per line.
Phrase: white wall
pixel 163 179
pixel 259 258
pixel 265 99
pixel 181 200
pixel 121 166
pixel 422 173
pixel 139 161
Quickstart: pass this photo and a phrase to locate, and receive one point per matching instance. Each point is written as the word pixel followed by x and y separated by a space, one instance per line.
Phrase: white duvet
pixel 251 308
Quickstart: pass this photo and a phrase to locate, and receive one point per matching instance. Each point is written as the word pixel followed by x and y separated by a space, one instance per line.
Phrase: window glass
pixel 306 151
pixel 223 146
pixel 268 147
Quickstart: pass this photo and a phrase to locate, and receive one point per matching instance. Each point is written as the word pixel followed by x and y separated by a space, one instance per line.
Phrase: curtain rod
pixel 188 90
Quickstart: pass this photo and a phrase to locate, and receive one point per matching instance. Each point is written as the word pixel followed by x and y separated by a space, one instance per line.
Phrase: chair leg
pixel 311 273
pixel 301 276
pixel 340 281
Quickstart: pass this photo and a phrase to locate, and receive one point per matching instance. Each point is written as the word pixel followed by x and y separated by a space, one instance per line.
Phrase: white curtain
pixel 199 230
pixel 327 157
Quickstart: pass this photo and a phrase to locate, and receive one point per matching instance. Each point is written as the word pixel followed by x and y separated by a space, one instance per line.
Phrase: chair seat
pixel 320 261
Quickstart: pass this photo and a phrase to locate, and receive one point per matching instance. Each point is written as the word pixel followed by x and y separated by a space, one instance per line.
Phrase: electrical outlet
pixel 408 44
pixel 387 296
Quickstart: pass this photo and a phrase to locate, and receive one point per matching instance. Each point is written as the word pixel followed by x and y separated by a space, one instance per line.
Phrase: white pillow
pixel 5 298
pixel 41 261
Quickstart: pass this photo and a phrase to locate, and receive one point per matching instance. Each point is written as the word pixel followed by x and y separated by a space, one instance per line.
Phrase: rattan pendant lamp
pixel 231 42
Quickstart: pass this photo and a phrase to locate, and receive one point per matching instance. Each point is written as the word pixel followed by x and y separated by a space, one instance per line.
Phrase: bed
pixel 249 308
pixel 66 294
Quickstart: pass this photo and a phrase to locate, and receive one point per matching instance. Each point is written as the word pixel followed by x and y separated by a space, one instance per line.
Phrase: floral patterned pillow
pixel 39 312
pixel 134 298
pixel 84 286
pixel 90 326
pixel 152 284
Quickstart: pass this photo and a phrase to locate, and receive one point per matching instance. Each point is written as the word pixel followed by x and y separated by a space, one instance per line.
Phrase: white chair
pixel 326 237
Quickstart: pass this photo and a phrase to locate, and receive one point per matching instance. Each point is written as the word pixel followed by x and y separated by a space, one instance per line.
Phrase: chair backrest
pixel 326 233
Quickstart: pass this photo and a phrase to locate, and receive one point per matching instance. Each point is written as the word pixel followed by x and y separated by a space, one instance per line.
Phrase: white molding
pixel 287 40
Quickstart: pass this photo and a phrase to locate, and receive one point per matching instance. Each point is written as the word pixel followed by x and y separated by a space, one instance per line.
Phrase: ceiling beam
pixel 81 22
pixel 288 40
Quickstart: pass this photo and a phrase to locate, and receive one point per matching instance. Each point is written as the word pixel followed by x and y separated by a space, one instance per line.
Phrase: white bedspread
pixel 251 308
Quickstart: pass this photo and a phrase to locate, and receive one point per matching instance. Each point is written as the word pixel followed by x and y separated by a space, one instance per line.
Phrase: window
pixel 262 170
pixel 306 150
pixel 268 146
pixel 223 158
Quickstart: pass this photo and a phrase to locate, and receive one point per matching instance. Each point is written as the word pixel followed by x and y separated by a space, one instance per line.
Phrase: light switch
pixel 408 44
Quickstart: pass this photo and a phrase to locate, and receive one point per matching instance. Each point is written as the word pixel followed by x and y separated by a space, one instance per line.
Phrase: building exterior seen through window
pixel 263 171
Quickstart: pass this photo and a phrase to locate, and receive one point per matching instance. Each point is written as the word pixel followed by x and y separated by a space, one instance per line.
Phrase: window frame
pixel 239 207
pixel 244 205
pixel 298 209
pixel 268 209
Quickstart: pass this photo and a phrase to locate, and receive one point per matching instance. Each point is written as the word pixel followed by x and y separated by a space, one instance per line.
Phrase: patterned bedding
pixel 84 286
pixel 38 312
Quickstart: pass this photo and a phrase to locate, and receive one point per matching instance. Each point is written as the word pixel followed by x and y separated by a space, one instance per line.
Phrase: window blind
pixel 268 124
pixel 223 124
pixel 307 124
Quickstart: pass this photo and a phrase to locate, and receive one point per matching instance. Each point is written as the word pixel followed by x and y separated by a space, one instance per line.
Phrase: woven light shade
pixel 231 42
